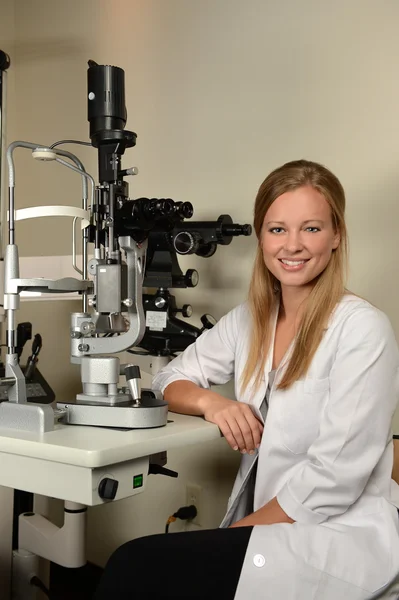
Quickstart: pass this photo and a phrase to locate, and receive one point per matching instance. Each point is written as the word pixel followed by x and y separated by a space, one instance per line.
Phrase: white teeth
pixel 293 263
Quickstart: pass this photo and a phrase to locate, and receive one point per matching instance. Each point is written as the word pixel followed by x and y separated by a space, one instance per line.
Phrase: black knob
pixel 107 488
pixel 132 372
pixel 187 310
pixel 191 278
pixel 186 242
pixel 208 321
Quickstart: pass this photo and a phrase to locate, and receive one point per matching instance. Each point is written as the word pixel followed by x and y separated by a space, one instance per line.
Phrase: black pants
pixel 190 565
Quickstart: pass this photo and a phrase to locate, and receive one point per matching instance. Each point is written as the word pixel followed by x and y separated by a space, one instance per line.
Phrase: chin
pixel 296 285
pixel 295 282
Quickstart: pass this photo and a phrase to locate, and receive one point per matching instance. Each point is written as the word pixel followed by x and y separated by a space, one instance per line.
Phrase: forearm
pixel 268 514
pixel 186 397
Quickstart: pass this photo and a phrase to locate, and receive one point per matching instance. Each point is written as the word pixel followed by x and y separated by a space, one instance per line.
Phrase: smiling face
pixel 298 237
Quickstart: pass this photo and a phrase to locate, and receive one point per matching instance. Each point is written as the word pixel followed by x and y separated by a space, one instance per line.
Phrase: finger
pixel 227 433
pixel 236 432
pixel 247 433
pixel 255 424
pixel 242 432
pixel 257 430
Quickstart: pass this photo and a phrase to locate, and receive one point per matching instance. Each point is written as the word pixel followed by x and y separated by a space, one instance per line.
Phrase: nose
pixel 293 242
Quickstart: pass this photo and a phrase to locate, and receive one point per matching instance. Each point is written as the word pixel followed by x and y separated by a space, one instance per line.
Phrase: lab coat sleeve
pixel 355 425
pixel 209 360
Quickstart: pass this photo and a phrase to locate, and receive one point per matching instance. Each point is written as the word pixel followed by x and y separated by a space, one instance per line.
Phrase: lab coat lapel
pixel 261 391
pixel 241 491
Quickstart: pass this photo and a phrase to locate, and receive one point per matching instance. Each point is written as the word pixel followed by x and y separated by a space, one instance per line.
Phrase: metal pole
pixel 4 65
pixel 6 494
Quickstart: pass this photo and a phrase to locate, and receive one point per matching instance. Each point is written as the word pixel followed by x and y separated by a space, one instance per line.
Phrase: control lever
pixel 133 380
pixel 32 360
pixel 154 469
pixel 24 333
pixel 157 465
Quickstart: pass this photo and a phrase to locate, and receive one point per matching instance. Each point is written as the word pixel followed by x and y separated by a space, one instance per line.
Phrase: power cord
pixel 69 142
pixel 185 513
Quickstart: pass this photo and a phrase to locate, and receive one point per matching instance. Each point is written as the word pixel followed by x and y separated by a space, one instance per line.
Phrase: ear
pixel 336 240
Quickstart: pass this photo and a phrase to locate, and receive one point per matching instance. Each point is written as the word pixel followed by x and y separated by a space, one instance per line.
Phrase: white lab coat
pixel 326 453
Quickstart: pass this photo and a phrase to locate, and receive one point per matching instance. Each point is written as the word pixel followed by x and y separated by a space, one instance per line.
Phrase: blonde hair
pixel 329 287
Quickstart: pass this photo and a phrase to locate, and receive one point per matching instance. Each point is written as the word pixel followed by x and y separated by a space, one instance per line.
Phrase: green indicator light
pixel 137 481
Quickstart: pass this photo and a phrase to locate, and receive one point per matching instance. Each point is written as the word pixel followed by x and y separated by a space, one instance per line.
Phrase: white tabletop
pixel 96 447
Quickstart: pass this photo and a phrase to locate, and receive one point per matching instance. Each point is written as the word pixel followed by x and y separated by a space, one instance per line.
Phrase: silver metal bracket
pixel 36 418
pixel 17 391
pixel 17 413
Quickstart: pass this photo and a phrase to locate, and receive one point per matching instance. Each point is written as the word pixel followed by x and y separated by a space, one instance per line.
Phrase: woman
pixel 316 379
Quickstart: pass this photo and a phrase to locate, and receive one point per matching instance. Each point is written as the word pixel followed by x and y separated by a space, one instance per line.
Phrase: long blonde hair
pixel 263 292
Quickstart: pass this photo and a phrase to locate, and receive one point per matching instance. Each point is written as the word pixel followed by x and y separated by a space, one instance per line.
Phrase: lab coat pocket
pixel 301 409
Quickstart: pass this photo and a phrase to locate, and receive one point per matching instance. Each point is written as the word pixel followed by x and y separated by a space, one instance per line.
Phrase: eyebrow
pixel 304 223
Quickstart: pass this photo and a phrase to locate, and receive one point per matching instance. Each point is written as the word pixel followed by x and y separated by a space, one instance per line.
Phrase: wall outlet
pixel 194 496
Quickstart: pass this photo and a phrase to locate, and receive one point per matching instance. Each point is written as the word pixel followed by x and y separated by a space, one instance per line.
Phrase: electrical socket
pixel 194 496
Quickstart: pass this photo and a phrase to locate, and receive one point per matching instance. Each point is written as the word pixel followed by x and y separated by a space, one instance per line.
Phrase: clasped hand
pixel 241 428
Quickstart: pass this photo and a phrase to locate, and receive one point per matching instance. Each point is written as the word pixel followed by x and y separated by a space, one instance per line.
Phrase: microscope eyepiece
pixel 162 208
pixel 144 214
pixel 185 210
pixel 234 229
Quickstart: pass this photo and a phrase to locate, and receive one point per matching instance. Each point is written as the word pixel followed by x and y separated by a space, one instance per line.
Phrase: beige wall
pixel 219 92
pixel 7 44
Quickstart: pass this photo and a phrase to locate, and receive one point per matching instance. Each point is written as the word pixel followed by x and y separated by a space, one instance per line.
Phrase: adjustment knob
pixel 133 379
pixel 208 321
pixel 160 302
pixel 107 488
pixel 191 278
pixel 132 372
pixel 187 242
pixel 187 310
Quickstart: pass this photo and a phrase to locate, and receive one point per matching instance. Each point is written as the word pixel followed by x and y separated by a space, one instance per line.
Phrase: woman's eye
pixel 281 230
